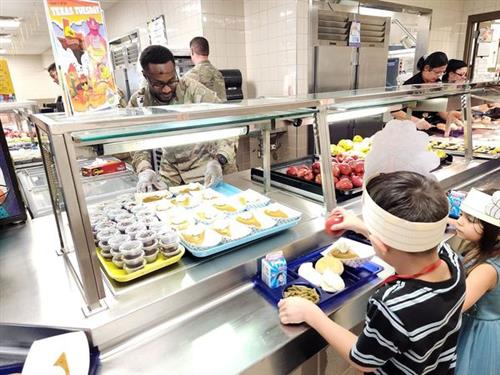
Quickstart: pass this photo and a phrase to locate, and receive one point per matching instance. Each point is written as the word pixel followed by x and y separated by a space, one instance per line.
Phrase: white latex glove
pixel 213 174
pixel 422 124
pixel 149 181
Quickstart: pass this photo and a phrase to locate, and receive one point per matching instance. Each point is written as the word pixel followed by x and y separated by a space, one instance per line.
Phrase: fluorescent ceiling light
pixel 375 12
pixel 354 114
pixel 173 140
pixel 9 23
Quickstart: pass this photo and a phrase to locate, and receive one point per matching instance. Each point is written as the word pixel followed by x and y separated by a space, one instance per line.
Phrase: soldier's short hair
pixel 155 54
pixel 200 46
pixel 51 67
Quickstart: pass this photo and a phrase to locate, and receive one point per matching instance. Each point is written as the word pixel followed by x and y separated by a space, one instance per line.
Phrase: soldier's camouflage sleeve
pixel 196 92
pixel 141 160
pixel 228 148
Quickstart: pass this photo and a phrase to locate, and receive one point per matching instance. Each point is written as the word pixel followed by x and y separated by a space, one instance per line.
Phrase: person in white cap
pixel 413 320
pixel 479 341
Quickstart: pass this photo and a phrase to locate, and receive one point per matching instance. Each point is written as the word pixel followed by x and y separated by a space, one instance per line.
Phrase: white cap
pixel 483 206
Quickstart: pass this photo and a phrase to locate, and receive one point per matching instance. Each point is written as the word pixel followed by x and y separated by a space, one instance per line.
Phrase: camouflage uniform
pixel 184 164
pixel 207 74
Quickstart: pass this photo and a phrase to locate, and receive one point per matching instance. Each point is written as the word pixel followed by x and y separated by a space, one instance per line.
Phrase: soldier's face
pixel 162 80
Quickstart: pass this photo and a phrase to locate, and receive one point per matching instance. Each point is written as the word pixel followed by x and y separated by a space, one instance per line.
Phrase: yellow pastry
pixel 276 212
pixel 223 229
pixel 194 238
pixel 182 200
pixel 152 198
pixel 248 218
pixel 224 207
pixel 243 201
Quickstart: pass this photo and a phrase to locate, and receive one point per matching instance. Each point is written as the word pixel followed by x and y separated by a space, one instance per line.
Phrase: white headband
pixel 398 233
pixel 483 206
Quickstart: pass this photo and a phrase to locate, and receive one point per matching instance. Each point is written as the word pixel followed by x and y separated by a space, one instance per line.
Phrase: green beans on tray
pixel 303 292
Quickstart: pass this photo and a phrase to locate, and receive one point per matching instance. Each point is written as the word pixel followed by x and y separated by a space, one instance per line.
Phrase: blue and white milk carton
pixel 274 269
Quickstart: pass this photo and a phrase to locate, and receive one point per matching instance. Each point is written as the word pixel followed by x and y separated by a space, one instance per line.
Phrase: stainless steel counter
pixel 199 316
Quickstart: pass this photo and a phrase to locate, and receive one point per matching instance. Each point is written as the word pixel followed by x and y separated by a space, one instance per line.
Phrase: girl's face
pixel 469 228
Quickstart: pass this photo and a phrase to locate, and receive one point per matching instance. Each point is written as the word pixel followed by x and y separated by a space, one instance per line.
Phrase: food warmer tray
pixel 229 190
pixel 354 278
pixel 310 189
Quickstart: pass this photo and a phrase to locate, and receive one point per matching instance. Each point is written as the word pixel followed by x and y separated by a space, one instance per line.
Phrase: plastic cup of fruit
pixel 130 206
pixel 136 209
pixel 117 240
pixel 130 267
pixel 105 224
pixel 147 237
pixel 111 206
pixel 118 260
pixel 113 214
pixel 149 220
pixel 124 216
pixel 153 256
pixel 148 250
pixel 145 214
pixel 131 248
pixel 106 255
pixel 132 229
pixel 158 226
pixel 170 252
pixel 169 241
pixel 122 225
pixel 104 235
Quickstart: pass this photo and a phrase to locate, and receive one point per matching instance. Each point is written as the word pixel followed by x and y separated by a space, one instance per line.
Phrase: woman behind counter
pixel 456 72
pixel 431 68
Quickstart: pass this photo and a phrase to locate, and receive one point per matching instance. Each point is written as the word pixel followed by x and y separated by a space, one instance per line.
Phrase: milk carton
pixel 274 270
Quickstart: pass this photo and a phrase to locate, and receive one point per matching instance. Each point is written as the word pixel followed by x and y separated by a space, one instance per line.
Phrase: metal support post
pixel 465 102
pixel 266 154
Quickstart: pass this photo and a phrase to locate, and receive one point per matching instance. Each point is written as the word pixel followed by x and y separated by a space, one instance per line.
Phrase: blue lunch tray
pixel 229 190
pixel 353 278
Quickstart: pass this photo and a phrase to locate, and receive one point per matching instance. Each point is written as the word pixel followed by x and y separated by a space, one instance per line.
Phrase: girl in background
pixel 479 341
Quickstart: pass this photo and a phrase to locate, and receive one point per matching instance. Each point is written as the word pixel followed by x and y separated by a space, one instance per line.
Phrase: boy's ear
pixel 381 247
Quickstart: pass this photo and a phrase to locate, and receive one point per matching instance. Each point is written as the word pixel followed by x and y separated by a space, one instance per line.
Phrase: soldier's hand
pixel 149 181
pixel 213 174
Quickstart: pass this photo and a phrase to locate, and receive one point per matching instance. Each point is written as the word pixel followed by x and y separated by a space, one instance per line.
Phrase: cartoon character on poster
pixel 81 52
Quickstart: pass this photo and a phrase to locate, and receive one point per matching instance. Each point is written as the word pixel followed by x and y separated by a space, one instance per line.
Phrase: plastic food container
pixel 149 220
pixel 112 214
pixel 132 229
pixel 118 260
pixel 130 206
pixel 138 208
pixel 145 214
pixel 159 226
pixel 122 225
pixel 130 269
pixel 148 250
pixel 124 216
pixel 151 258
pixel 111 206
pixel 147 237
pixel 104 235
pixel 171 252
pixel 131 248
pixel 133 261
pixel 104 247
pixel 102 225
pixel 117 240
pixel 169 241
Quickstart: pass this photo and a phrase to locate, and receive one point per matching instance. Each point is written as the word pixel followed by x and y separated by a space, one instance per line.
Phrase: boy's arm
pixel 298 310
pixel 481 279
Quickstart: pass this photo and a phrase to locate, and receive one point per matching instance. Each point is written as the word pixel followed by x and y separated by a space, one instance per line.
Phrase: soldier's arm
pixel 227 148
pixel 141 160
pixel 200 93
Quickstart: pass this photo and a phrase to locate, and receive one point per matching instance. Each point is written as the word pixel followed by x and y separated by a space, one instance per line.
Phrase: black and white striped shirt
pixel 412 326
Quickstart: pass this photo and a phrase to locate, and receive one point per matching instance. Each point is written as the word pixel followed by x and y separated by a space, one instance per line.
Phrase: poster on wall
pixel 157 31
pixel 81 53
pixel 7 93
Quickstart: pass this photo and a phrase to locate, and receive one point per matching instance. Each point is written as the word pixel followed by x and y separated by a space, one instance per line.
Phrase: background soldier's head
pixel 199 49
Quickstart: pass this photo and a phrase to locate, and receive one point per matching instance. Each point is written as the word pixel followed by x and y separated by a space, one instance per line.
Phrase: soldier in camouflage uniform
pixel 180 164
pixel 203 71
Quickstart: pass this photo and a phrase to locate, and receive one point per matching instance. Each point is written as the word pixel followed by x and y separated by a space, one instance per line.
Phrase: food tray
pixel 122 276
pixel 230 190
pixel 255 235
pixel 354 278
pixel 280 178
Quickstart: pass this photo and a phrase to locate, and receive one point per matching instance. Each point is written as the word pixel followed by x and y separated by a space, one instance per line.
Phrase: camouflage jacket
pixel 184 164
pixel 207 74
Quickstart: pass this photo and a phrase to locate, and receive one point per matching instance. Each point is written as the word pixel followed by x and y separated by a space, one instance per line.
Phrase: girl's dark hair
pixel 453 66
pixel 434 60
pixel 409 196
pixel 487 247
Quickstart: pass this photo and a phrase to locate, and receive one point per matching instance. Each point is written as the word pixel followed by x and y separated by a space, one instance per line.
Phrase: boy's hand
pixel 294 310
pixel 350 222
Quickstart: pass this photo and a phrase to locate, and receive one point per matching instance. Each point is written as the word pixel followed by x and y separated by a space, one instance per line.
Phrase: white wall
pixel 182 18
pixel 30 77
pixel 223 24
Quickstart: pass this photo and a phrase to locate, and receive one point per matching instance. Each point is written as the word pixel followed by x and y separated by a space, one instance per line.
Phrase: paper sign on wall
pixel 81 53
pixel 6 87
pixel 355 34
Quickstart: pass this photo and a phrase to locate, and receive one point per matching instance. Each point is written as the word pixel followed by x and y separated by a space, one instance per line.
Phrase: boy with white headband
pixel 413 319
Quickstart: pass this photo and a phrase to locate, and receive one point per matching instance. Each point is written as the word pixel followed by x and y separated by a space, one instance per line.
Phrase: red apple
pixel 302 172
pixel 357 181
pixel 359 167
pixel 335 170
pixel 344 184
pixel 317 179
pixel 316 167
pixel 332 220
pixel 309 176
pixel 292 171
pixel 345 169
pixel 335 180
